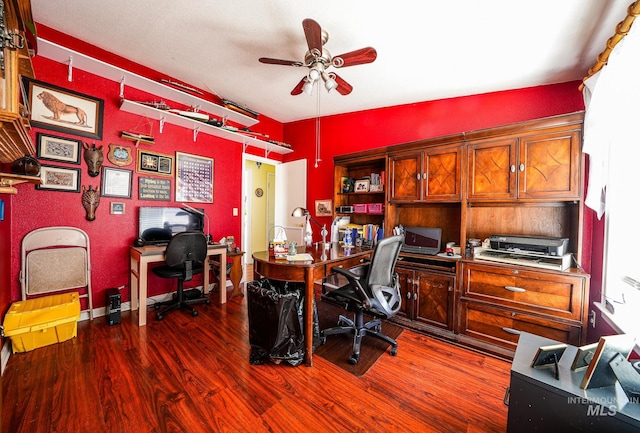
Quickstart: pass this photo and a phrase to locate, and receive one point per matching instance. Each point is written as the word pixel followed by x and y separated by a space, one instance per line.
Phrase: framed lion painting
pixel 52 107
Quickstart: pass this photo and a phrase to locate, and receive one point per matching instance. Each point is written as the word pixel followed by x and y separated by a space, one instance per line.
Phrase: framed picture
pixel 59 178
pixel 154 163
pixel 116 182
pixel 583 357
pixel 324 207
pixel 63 110
pixel 153 188
pixel 194 178
pixel 599 374
pixel 55 148
pixel 549 356
pixel 117 208
pixel 361 185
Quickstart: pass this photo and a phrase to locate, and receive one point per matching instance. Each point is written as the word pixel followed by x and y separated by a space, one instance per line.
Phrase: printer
pixel 548 246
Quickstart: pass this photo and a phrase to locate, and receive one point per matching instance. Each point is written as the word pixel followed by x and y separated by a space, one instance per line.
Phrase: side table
pixel 235 274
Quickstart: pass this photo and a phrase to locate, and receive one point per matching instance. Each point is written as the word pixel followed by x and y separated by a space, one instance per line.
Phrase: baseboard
pixel 5 354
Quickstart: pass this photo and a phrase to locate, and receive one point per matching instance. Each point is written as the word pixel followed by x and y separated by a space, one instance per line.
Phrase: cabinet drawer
pixel 502 327
pixel 560 296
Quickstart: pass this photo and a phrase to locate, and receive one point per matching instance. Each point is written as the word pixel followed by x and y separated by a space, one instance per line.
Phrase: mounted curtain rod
pixel 622 29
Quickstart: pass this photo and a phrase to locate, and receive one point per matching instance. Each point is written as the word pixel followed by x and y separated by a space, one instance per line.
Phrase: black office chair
pixel 373 289
pixel 184 258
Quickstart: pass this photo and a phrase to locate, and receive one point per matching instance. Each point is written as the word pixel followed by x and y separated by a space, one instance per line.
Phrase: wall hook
pixel 70 70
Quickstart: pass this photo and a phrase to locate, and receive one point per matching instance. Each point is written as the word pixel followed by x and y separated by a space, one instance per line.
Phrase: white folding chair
pixel 56 259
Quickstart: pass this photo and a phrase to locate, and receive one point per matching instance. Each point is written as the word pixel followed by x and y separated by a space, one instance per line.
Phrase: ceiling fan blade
pixel 279 62
pixel 313 33
pixel 357 57
pixel 343 88
pixel 298 89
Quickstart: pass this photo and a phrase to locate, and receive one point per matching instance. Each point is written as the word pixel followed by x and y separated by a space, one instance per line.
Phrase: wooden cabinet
pixel 15 141
pixel 498 302
pixel 519 179
pixel 427 296
pixel 367 206
pixel 541 165
pixel 428 174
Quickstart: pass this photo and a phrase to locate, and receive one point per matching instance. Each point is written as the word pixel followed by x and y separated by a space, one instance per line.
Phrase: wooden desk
pixel 140 259
pixel 307 272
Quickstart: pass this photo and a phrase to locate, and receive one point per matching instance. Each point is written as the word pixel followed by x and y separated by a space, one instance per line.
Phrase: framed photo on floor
pixel 58 109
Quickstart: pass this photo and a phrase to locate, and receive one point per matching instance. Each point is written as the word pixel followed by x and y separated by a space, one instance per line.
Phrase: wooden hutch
pixel 519 179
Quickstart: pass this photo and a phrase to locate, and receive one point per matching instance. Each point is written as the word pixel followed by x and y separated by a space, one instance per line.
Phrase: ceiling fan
pixel 319 59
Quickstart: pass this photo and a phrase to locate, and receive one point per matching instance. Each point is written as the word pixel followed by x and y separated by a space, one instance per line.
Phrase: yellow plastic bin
pixel 39 322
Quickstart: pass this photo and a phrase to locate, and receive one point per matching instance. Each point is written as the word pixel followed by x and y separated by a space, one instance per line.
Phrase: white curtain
pixel 612 101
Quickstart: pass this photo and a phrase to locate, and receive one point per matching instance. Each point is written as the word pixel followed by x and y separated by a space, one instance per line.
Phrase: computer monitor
pixel 158 224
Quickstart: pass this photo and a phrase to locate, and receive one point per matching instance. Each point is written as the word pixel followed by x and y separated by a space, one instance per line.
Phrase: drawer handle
pixel 511 331
pixel 515 289
pixel 507 395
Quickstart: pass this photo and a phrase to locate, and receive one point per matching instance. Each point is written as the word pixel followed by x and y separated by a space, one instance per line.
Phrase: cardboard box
pixel 39 322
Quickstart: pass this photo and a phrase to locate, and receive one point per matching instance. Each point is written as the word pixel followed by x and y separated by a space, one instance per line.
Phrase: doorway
pixel 270 191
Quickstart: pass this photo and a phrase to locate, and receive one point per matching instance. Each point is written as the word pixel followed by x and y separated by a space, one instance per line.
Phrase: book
pixel 299 257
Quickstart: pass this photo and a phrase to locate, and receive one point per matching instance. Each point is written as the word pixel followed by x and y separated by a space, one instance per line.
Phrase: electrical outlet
pixel 592 318
pixel 235 211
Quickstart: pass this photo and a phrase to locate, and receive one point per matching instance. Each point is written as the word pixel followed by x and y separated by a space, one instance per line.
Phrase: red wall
pixel 111 235
pixel 363 130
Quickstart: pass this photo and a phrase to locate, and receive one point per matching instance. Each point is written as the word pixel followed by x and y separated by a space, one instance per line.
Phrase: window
pixel 612 141
pixel 621 268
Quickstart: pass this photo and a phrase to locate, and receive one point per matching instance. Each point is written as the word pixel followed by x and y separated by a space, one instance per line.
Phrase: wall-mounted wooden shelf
pixel 74 59
pixel 199 127
pixel 7 180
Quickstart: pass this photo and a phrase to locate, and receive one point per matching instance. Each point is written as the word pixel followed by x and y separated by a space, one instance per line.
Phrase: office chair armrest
pixel 354 276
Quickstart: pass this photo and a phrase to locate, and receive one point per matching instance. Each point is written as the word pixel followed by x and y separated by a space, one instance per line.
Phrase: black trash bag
pixel 276 312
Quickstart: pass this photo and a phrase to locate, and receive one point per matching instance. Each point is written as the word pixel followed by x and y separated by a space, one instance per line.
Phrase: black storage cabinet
pixel 276 321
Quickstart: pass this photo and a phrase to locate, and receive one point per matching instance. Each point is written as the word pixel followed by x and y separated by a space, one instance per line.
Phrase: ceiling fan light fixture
pixel 307 87
pixel 314 74
pixel 329 82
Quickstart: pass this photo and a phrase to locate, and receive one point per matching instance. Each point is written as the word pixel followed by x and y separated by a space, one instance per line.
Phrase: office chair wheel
pixel 156 306
pixel 194 313
pixel 159 316
pixel 353 359
pixel 393 351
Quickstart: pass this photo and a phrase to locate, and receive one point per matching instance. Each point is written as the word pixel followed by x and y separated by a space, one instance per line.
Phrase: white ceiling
pixel 427 49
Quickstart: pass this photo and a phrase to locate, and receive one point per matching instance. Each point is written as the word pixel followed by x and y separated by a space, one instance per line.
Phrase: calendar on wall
pixel 194 178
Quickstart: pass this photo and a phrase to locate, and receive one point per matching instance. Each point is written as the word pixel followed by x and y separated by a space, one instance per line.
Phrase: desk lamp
pixel 300 211
pixel 199 212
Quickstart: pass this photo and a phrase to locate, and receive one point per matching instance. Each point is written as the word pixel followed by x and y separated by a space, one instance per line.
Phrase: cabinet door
pixel 405 277
pixel 435 299
pixel 492 169
pixel 549 166
pixel 405 177
pixel 443 174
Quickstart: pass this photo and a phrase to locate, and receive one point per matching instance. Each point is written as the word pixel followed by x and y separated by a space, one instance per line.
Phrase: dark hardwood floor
pixel 187 374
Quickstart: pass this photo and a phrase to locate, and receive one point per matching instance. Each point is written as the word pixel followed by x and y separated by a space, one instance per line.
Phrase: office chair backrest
pixel 383 262
pixel 186 249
